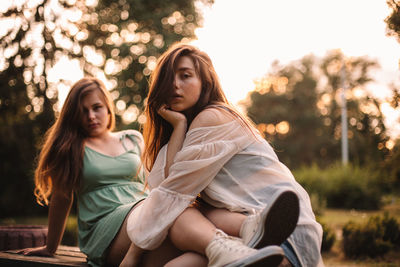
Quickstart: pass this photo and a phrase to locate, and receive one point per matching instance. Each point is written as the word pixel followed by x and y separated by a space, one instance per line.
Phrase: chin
pixel 177 108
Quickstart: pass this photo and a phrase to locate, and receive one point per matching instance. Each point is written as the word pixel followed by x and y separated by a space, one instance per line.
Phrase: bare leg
pixel 192 231
pixel 227 221
pixel 158 257
pixel 188 259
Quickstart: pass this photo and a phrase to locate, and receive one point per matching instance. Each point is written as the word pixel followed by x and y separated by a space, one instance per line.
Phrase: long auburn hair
pixel 156 130
pixel 60 161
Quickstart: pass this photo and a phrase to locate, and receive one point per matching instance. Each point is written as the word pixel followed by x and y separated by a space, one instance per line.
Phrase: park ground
pixel 337 218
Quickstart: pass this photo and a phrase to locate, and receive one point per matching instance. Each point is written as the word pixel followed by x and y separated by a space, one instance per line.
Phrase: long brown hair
pixel 157 131
pixel 61 158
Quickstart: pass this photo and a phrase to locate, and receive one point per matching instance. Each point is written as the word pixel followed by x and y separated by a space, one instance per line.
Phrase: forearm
pixel 60 206
pixel 175 144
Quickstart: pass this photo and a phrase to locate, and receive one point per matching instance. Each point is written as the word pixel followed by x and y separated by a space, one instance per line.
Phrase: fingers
pixel 28 252
pixel 22 251
pixel 25 251
pixel 39 251
pixel 162 109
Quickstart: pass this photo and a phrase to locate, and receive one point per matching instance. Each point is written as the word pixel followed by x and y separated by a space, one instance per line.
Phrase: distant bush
pixel 348 187
pixel 372 239
pixel 328 237
pixel 318 203
pixel 70 237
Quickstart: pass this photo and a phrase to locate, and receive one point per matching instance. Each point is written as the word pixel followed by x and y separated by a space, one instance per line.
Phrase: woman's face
pixel 187 86
pixel 95 117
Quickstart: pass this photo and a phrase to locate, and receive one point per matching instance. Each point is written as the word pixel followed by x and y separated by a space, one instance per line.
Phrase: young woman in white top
pixel 196 144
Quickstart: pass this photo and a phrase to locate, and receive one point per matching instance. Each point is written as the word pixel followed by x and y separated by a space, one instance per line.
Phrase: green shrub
pixel 391 228
pixel 372 239
pixel 348 187
pixel 328 237
pixel 318 205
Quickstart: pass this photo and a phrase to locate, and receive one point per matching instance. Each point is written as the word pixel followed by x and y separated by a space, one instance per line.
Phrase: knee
pixel 186 216
pixel 181 223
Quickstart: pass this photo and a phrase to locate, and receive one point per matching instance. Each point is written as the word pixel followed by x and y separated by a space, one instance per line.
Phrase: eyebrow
pixel 185 69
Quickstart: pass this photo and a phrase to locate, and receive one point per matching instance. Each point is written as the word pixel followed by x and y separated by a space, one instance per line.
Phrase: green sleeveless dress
pixel 110 187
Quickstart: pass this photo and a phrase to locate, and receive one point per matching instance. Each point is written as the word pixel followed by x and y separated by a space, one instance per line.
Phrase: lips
pixel 176 98
pixel 93 125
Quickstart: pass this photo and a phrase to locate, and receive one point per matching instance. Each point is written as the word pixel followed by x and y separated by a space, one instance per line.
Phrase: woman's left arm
pixel 204 152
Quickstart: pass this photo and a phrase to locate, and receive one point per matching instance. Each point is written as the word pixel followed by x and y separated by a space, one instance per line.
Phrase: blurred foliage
pixel 328 237
pixel 372 239
pixel 393 29
pixel 318 203
pixel 393 20
pixel 117 41
pixel 70 237
pixel 392 167
pixel 349 187
pixel 298 108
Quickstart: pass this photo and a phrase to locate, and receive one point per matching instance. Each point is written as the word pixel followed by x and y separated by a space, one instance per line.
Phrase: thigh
pixel 188 259
pixel 120 245
pixel 228 221
pixel 162 255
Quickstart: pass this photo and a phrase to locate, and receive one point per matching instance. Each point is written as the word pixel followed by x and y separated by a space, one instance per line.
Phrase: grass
pixel 337 218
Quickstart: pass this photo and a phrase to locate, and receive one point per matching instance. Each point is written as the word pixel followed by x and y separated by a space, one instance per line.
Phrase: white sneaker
pixel 229 251
pixel 274 224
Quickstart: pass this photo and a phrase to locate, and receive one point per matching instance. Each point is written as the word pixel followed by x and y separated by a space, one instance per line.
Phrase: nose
pixel 176 82
pixel 91 115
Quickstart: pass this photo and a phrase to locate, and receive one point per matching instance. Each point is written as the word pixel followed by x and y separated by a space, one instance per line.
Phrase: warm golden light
pixel 130 115
pixel 389 144
pixel 283 127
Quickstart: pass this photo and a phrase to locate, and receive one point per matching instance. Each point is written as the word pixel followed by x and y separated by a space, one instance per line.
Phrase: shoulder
pixel 132 132
pixel 211 117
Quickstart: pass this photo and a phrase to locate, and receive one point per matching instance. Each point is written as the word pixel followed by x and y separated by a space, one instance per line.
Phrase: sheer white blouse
pixel 229 167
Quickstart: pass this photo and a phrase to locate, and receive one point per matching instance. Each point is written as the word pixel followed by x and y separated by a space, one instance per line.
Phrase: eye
pixel 185 75
pixel 97 107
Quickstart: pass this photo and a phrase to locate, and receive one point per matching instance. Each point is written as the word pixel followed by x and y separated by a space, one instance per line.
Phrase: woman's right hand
pixel 38 251
pixel 173 117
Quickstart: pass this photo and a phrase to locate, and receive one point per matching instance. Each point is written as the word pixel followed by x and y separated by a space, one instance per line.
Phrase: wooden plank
pixel 64 256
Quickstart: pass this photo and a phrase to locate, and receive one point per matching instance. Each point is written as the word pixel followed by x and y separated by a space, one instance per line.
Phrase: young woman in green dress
pixel 81 156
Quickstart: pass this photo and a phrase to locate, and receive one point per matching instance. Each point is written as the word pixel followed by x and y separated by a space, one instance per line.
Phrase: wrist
pixel 182 124
pixel 51 250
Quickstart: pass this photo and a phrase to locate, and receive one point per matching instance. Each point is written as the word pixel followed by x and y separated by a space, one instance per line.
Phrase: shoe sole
pixel 269 256
pixel 280 220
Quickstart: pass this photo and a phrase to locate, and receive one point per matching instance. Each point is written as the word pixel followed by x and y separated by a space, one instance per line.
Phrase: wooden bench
pixel 65 256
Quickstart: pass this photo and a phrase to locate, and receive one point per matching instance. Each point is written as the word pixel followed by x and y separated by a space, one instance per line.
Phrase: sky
pixel 243 38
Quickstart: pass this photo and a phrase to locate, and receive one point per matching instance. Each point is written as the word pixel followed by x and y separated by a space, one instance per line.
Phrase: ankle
pixel 250 219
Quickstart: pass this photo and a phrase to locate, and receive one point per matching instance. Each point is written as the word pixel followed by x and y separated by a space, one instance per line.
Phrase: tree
pixel 283 107
pixel 298 108
pixel 129 36
pixel 393 29
pixel 393 20
pixel 117 41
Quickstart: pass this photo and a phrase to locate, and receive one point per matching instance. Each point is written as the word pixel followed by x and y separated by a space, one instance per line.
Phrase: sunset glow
pixel 244 37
